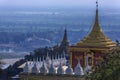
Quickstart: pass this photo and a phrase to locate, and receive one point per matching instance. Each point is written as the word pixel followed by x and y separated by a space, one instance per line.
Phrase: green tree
pixel 108 68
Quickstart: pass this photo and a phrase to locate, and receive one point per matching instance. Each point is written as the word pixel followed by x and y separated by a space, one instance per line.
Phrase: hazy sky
pixel 59 3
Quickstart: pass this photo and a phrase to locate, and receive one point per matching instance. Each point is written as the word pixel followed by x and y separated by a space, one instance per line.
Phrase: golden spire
pixel 96 38
pixel 97 25
pixel 96 10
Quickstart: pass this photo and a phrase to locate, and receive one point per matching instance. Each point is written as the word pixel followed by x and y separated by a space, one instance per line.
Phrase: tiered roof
pixel 96 38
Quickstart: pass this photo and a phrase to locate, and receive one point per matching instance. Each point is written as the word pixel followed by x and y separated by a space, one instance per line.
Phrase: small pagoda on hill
pixel 92 48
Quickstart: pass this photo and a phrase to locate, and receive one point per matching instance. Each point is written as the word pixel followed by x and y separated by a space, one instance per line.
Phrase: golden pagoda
pixel 93 47
pixel 96 38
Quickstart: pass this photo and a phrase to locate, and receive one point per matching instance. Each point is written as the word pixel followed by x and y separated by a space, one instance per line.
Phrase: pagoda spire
pixel 96 26
pixel 64 46
pixel 96 37
pixel 97 10
pixel 65 38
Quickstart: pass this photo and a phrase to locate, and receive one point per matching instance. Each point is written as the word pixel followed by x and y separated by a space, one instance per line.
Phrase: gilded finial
pixel 97 11
pixel 97 4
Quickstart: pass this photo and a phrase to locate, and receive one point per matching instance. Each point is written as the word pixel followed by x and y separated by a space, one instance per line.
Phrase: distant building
pixel 64 46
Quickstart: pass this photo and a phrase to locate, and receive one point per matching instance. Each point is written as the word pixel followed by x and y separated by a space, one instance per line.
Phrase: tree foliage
pixel 108 68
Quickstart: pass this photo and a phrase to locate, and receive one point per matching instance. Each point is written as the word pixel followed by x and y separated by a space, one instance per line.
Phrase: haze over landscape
pixel 59 39
pixel 29 24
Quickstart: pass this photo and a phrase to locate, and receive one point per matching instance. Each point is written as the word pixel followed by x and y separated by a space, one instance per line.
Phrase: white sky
pixel 58 3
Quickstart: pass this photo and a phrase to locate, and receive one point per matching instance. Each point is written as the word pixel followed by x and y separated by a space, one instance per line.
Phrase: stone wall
pixel 50 77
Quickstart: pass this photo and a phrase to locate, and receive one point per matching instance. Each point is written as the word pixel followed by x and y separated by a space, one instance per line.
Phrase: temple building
pixel 64 46
pixel 69 62
pixel 51 69
pixel 93 47
pixel 52 65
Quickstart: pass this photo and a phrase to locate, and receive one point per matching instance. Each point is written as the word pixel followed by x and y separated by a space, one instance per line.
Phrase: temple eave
pixel 96 41
pixel 88 49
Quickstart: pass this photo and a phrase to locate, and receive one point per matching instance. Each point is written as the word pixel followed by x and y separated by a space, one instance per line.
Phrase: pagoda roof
pixel 96 37
pixel 65 40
